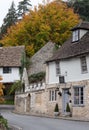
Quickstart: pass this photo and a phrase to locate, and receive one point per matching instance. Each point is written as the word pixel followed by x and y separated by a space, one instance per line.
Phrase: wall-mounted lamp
pixel 60 93
pixel 69 93
pixel 57 89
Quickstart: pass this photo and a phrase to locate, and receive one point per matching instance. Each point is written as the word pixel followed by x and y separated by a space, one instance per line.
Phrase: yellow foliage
pixel 52 21
pixel 30 50
pixel 1 90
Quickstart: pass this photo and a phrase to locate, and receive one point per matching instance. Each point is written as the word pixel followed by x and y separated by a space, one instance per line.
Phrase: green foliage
pixel 8 102
pixel 67 108
pixel 4 122
pixel 56 109
pixel 23 7
pixel 12 17
pixel 9 20
pixel 81 7
pixel 1 90
pixel 38 77
pixel 25 62
pixel 18 85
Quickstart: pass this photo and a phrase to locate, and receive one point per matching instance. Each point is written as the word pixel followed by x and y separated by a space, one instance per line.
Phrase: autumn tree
pixel 50 22
pixel 1 90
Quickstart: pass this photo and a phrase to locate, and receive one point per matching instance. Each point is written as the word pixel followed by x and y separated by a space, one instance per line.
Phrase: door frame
pixel 28 102
pixel 65 99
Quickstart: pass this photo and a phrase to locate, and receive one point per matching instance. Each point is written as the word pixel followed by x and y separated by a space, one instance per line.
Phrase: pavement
pixel 82 119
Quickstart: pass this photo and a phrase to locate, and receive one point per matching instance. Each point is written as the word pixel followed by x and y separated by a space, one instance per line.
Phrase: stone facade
pixel 82 111
pixel 20 103
pixel 33 100
pixel 78 111
pixel 37 102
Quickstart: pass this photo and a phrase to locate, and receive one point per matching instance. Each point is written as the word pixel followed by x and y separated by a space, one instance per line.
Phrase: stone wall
pixel 50 105
pixel 20 103
pixel 83 111
pixel 80 111
pixel 38 60
pixel 31 102
pixel 38 102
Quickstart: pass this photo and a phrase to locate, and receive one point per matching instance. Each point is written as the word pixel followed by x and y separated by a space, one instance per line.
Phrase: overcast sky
pixel 5 4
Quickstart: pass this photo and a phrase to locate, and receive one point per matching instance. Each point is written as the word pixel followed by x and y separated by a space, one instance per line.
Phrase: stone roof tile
pixel 71 49
pixel 11 56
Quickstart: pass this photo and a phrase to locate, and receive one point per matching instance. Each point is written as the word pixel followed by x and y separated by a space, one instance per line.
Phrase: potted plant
pixel 67 109
pixel 56 110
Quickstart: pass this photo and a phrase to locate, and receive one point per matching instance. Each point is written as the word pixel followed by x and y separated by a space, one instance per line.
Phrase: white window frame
pixel 78 99
pixel 75 35
pixel 83 64
pixel 57 63
pixel 52 95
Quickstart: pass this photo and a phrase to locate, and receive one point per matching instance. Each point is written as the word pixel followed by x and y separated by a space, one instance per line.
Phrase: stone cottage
pixel 10 63
pixel 67 74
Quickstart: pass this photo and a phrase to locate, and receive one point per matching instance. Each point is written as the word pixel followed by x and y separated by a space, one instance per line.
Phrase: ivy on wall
pixel 38 77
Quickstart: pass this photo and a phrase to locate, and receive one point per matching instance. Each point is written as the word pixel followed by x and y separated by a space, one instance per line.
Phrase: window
pixel 61 79
pixel 57 68
pixel 36 85
pixel 6 70
pixel 79 96
pixel 52 95
pixel 75 35
pixel 83 64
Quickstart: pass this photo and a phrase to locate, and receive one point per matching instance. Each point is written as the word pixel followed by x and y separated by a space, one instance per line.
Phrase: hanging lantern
pixel 59 93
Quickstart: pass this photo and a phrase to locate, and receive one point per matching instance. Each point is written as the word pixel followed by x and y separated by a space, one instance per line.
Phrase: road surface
pixel 41 123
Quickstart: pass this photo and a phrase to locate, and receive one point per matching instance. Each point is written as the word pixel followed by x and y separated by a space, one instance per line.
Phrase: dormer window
pixel 75 35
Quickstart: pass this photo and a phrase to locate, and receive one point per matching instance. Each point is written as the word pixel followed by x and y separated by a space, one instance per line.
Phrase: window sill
pixel 75 41
pixel 57 75
pixel 53 101
pixel 79 105
pixel 84 72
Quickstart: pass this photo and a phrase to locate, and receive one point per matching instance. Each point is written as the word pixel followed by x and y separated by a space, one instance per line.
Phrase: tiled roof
pixel 82 25
pixel 11 56
pixel 71 49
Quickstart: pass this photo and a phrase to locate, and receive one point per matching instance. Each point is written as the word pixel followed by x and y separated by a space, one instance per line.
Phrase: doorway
pixel 65 100
pixel 28 103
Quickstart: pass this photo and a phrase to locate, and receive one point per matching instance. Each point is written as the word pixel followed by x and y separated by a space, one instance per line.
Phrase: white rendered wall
pixel 10 77
pixel 82 33
pixel 52 78
pixel 70 68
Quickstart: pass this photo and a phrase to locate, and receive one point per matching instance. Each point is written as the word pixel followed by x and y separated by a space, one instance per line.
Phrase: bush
pixel 3 122
pixel 38 77
pixel 67 108
pixel 56 108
